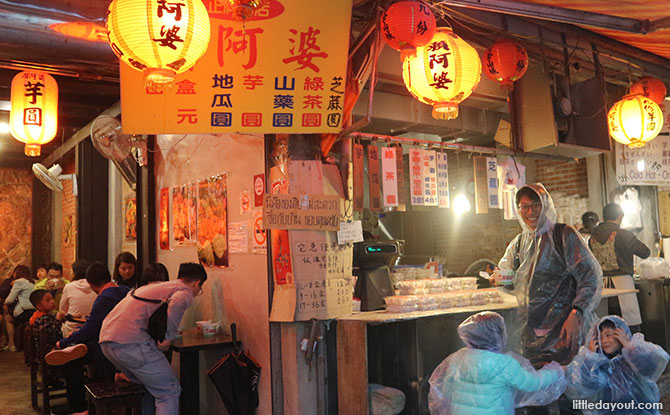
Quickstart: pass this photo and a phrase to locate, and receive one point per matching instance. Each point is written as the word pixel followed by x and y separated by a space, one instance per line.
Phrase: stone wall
pixel 15 219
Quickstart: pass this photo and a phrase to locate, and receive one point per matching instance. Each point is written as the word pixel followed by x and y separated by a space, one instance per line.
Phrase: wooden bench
pixel 105 397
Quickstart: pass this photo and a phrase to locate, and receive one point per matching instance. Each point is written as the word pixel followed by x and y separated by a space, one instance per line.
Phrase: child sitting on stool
pixel 481 380
pixel 72 365
pixel 616 368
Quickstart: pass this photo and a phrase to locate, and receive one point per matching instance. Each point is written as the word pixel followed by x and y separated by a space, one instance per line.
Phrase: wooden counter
pixel 415 330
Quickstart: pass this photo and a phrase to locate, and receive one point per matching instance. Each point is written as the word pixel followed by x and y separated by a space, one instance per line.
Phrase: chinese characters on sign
pixel 373 176
pixel 442 180
pixel 359 191
pixel 429 170
pixel 416 177
pixel 649 165
pixel 389 176
pixel 284 73
pixel 492 181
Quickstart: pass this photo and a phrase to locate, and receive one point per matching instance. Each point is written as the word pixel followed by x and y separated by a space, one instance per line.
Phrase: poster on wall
pixel 68 230
pixel 442 179
pixel 282 70
pixel 164 218
pixel 429 171
pixel 649 165
pixel 130 218
pixel 259 245
pixel 416 177
pixel 183 213
pixel 389 176
pixel 212 222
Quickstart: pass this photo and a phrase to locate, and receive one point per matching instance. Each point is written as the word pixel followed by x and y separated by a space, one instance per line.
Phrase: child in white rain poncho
pixel 617 370
pixel 481 380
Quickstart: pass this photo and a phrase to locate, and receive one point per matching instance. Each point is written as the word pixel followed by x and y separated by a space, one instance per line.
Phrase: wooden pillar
pixel 92 203
pixel 145 194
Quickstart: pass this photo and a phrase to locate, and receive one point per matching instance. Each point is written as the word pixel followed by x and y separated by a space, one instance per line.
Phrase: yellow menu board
pixel 282 71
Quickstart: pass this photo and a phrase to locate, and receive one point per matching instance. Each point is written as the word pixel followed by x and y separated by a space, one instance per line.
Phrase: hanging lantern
pixel 650 87
pixel 407 25
pixel 158 38
pixel 442 73
pixel 635 120
pixel 244 9
pixel 505 62
pixel 33 117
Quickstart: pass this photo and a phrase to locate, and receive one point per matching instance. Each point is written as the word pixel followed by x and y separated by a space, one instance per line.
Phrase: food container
pixel 401 303
pixel 479 297
pixel 412 287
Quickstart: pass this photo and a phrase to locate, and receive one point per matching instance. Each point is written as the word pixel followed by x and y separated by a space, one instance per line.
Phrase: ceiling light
pixel 461 204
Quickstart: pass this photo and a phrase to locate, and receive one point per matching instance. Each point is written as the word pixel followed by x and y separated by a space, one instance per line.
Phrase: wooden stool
pixel 106 396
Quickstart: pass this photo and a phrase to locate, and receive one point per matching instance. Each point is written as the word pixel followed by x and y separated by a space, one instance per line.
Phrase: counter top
pixel 509 302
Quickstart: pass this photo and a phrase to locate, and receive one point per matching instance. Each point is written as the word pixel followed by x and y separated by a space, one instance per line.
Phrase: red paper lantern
pixel 505 62
pixel 408 24
pixel 650 87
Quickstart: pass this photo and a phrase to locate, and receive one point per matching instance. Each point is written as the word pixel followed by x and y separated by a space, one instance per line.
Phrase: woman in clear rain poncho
pixel 558 281
pixel 616 368
pixel 481 380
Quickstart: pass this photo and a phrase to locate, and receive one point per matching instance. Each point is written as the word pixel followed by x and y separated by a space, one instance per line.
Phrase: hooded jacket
pixel 77 300
pixel 629 376
pixel 626 245
pixel 480 380
pixel 548 284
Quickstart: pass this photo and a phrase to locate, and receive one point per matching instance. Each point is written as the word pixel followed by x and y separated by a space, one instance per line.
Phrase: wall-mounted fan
pixel 52 177
pixel 122 149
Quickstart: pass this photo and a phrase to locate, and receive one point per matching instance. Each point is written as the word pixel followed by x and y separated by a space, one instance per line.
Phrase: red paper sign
pixel 373 175
pixel 259 189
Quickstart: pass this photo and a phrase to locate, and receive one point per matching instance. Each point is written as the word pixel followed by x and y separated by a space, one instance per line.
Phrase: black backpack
pixel 556 235
pixel 158 319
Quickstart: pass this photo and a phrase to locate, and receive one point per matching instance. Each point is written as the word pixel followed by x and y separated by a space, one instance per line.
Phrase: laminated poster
pixel 130 218
pixel 164 219
pixel 238 235
pixel 184 204
pixel 212 222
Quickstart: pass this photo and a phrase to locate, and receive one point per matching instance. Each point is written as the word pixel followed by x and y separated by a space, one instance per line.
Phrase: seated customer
pixel 618 369
pixel 43 323
pixel 109 294
pixel 154 272
pixel 77 300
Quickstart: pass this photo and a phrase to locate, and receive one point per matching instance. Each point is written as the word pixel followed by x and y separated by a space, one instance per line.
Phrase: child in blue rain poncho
pixel 481 380
pixel 616 371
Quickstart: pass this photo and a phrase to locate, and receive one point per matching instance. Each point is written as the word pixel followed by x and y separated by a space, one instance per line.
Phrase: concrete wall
pixel 238 293
pixel 15 219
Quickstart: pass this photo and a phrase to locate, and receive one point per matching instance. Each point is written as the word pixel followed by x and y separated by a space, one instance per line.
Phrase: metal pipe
pixel 455 147
pixel 553 13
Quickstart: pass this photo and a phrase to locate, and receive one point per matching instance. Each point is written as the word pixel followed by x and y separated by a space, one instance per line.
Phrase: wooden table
pixel 189 347
pixel 352 347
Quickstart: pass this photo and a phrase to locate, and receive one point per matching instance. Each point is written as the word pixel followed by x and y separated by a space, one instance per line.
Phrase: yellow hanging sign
pixel 283 71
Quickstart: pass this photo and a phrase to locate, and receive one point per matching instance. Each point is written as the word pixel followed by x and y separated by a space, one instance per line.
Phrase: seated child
pixel 72 370
pixel 480 380
pixel 616 368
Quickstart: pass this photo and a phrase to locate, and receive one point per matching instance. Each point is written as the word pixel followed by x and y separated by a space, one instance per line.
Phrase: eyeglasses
pixel 534 206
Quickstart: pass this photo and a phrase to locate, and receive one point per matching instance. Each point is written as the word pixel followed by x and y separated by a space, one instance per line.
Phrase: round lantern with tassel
pixel 406 25
pixel 650 87
pixel 442 73
pixel 505 62
pixel 244 9
pixel 33 117
pixel 634 120
pixel 159 39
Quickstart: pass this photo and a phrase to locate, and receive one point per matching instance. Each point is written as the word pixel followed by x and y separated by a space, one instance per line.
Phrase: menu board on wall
pixel 649 165
pixel 281 71
pixel 492 182
pixel 359 190
pixel 324 267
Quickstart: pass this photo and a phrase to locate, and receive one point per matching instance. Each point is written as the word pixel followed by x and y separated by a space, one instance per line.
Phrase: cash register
pixel 372 262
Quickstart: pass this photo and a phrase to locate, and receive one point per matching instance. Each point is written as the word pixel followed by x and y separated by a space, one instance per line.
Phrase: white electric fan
pixel 52 177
